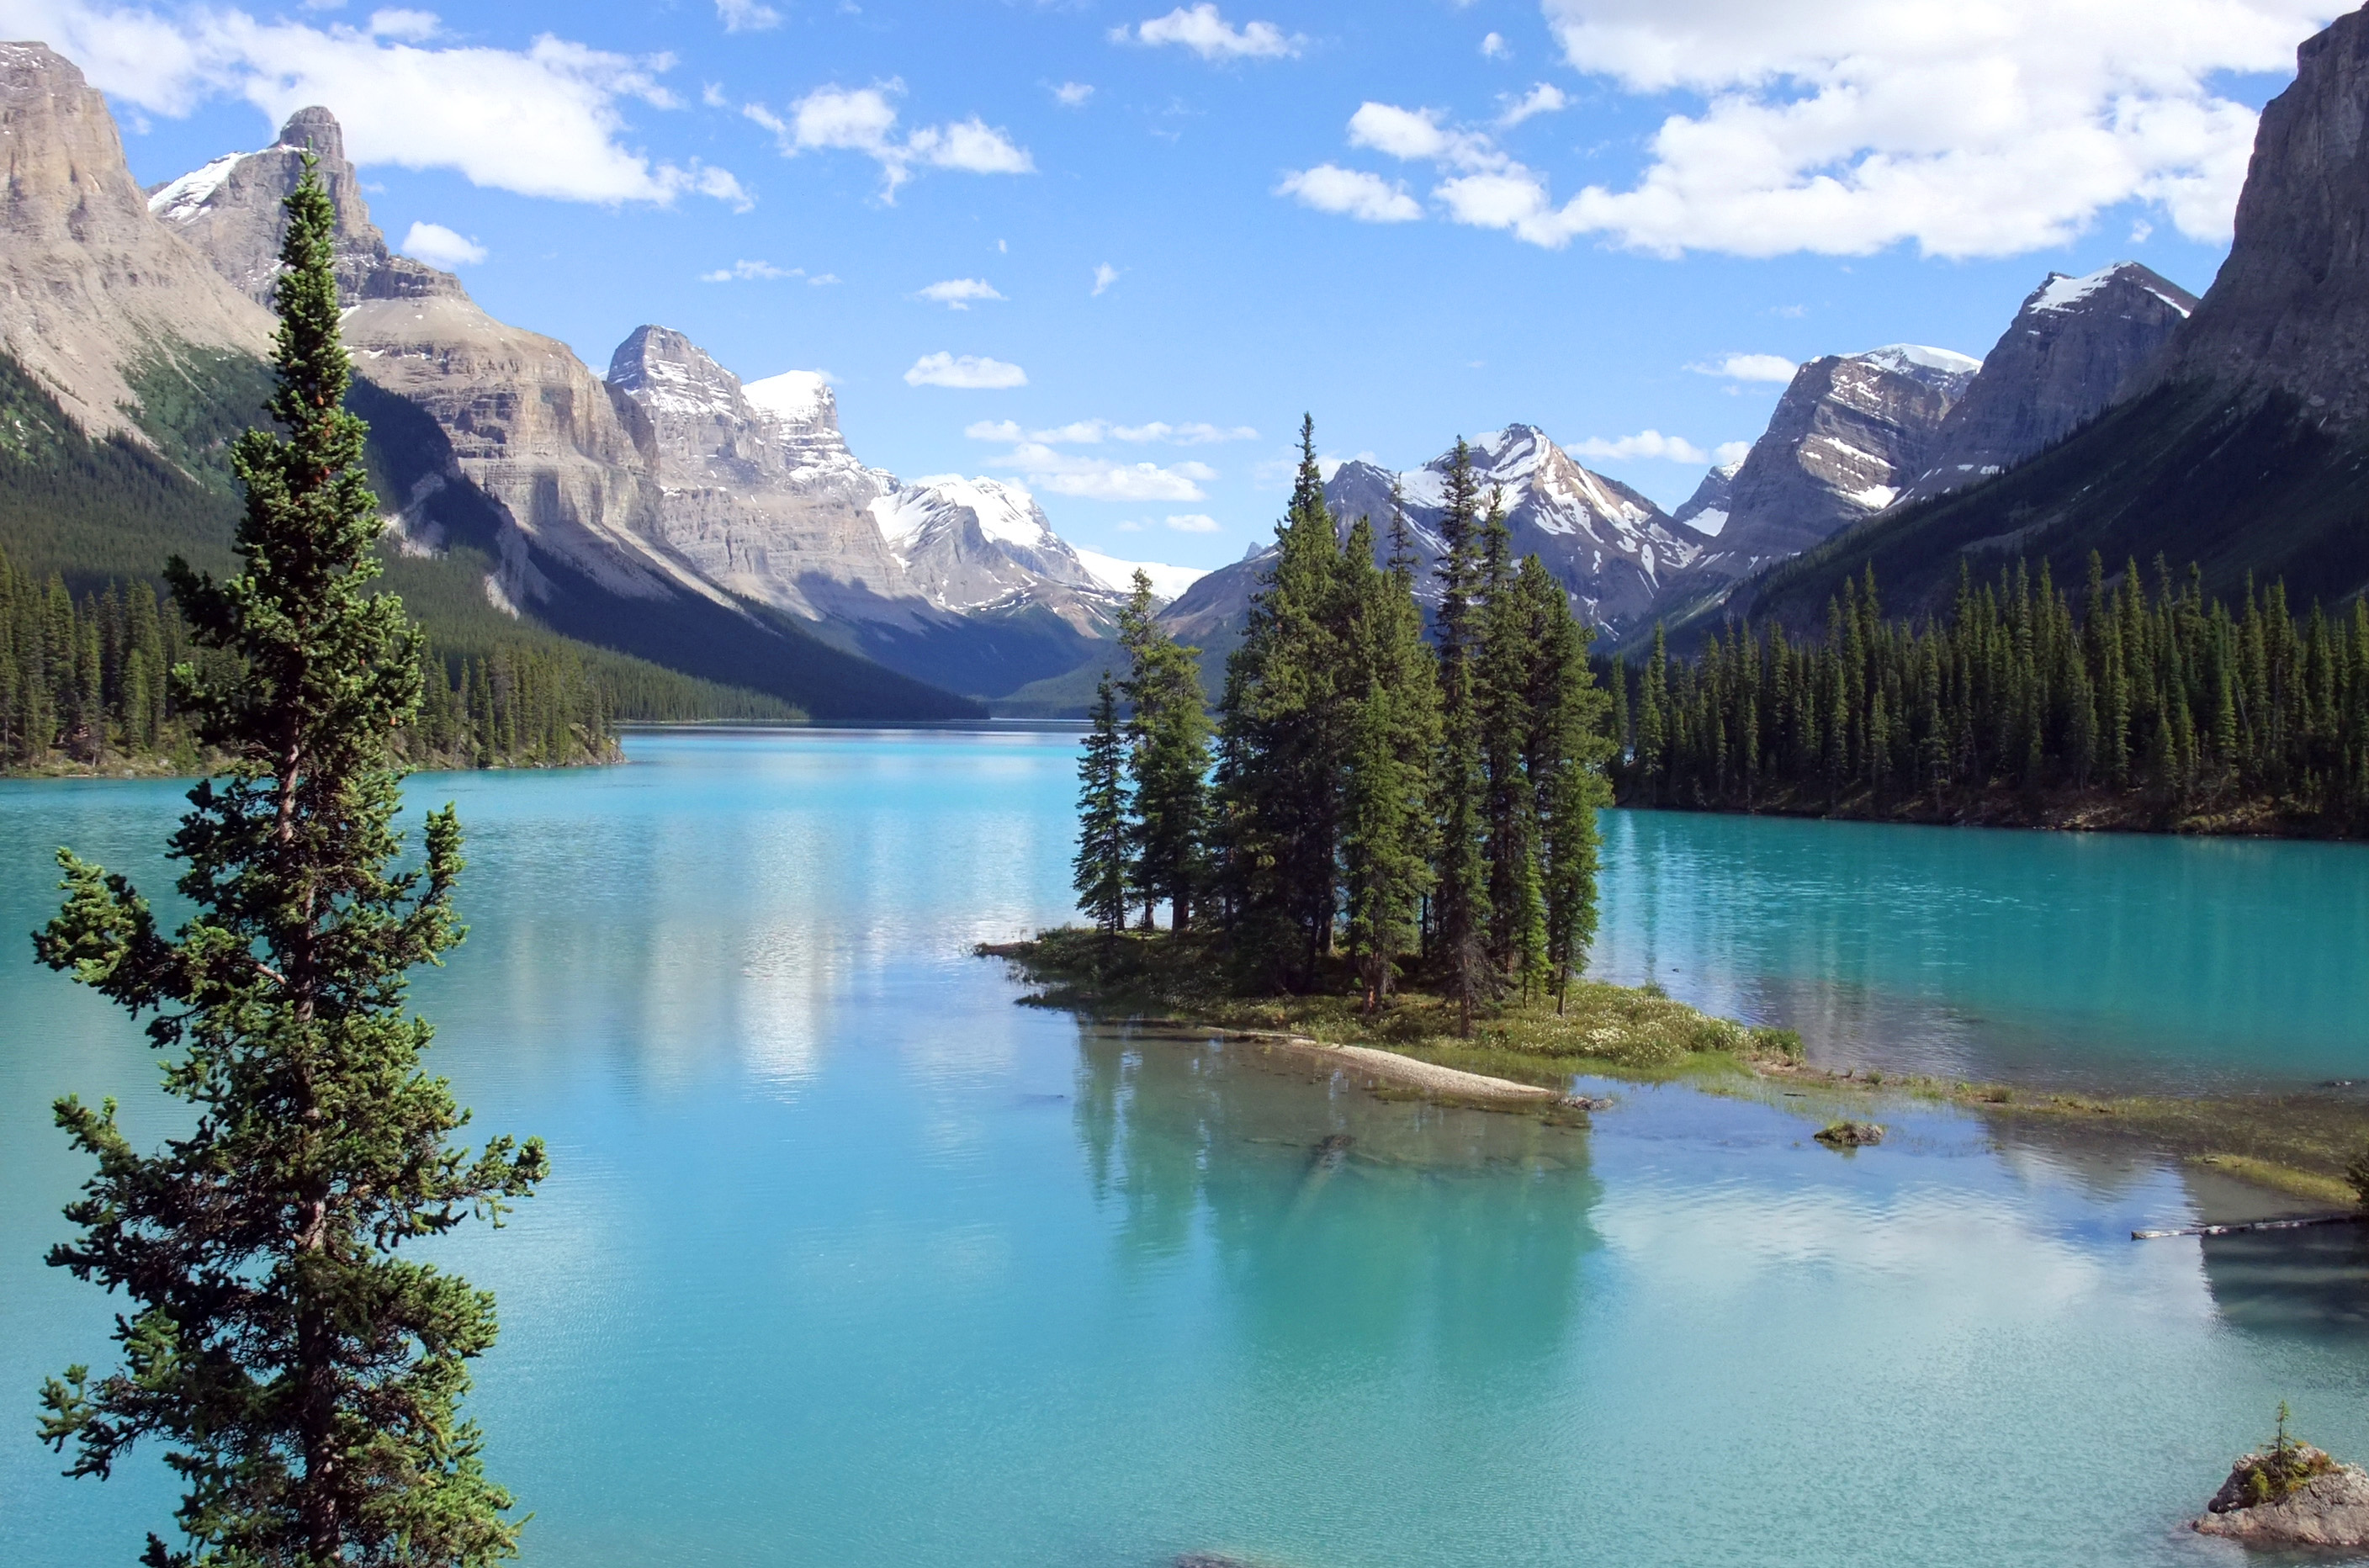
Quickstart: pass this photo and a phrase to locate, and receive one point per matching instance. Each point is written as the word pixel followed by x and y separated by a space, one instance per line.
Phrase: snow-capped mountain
pixel 668 477
pixel 1848 436
pixel 1612 548
pixel 230 211
pixel 1609 547
pixel 1706 511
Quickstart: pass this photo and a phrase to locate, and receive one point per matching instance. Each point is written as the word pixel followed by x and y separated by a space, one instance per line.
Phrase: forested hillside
pixel 2151 707
pixel 86 632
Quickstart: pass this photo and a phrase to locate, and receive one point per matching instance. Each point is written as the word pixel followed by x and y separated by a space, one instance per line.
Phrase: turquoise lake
pixel 847 1261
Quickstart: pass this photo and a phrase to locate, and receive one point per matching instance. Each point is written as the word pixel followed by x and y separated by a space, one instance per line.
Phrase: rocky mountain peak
pixel 1941 370
pixel 973 545
pixel 801 402
pixel 673 379
pixel 230 211
pixel 1608 545
pixel 316 131
pixel 90 283
pixel 1849 434
pixel 1706 511
pixel 2072 344
pixel 2289 311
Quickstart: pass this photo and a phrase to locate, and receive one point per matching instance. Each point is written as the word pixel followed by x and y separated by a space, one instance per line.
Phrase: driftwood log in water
pixel 2254 1225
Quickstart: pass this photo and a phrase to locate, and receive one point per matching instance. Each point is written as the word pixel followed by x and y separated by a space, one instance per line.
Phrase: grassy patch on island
pixel 1635 1031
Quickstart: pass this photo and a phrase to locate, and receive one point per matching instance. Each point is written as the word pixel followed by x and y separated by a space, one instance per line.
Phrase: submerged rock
pixel 1850 1135
pixel 2292 1496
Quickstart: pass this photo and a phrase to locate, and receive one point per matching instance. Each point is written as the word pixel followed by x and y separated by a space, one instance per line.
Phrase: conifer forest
pixel 1373 803
pixel 2152 706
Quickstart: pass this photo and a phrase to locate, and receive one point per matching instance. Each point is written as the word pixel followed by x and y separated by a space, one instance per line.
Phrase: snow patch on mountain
pixel 180 200
pixel 795 397
pixel 1167 582
pixel 1004 511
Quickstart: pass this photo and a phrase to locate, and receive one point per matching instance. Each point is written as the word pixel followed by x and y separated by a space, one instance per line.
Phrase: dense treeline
pixel 1376 804
pixel 86 683
pixel 2156 708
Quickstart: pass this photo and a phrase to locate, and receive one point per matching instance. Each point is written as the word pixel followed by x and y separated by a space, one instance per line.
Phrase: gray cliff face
pixel 1851 433
pixel 90 283
pixel 2075 341
pixel 2289 310
pixel 230 211
pixel 759 494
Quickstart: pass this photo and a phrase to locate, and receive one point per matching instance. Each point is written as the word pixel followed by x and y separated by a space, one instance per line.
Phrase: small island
pixel 2287 1494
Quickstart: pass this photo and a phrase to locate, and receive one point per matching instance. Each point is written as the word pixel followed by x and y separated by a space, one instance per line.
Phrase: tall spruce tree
pixel 302 1374
pixel 1286 714
pixel 1564 754
pixel 1516 939
pixel 1099 873
pixel 1168 760
pixel 1393 731
pixel 1460 781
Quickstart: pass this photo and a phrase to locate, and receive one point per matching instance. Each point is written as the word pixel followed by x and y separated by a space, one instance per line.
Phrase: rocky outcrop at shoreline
pixel 2299 1497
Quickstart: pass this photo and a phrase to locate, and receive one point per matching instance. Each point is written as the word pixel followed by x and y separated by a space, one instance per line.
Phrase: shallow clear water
pixel 848 1261
pixel 2097 957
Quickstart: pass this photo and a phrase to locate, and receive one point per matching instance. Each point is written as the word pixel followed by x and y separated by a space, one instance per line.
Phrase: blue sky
pixel 1198 221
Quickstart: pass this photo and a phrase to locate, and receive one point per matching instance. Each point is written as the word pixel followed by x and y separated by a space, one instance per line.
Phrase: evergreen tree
pixel 1101 867
pixel 1393 703
pixel 1286 713
pixel 1168 765
pixel 303 1374
pixel 1517 900
pixel 1564 756
pixel 1460 781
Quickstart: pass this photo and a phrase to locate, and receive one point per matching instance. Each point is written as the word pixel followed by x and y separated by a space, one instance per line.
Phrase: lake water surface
pixel 847 1261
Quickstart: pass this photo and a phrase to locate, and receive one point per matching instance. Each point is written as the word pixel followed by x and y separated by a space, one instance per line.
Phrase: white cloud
pixel 1039 457
pixel 548 119
pixel 956 294
pixel 1726 452
pixel 969 371
pixel 1206 34
pixel 1644 443
pixel 1406 133
pixel 709 180
pixel 1493 47
pixel 411 26
pixel 1847 126
pixel 1093 432
pixel 1368 197
pixel 861 119
pixel 440 246
pixel 746 16
pixel 1749 367
pixel 822 279
pixel 1194 434
pixel 1072 94
pixel 1104 275
pixel 1194 523
pixel 1544 98
pixel 752 271
pixel 1104 478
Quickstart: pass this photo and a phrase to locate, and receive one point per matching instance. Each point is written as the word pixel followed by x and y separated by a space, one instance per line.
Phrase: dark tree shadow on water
pixel 2312 1283
pixel 1337 1217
